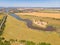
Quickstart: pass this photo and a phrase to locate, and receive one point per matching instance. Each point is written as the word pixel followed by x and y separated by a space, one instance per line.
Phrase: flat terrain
pixel 1 16
pixel 16 29
pixel 52 15
pixel 54 21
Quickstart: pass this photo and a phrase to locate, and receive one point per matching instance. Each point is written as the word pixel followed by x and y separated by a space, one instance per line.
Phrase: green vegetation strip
pixel 23 42
pixel 32 43
pixel 2 24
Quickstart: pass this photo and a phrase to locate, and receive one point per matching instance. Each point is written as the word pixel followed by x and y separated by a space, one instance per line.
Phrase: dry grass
pixel 16 29
pixel 51 18
pixel 52 15
pixel 51 21
pixel 1 16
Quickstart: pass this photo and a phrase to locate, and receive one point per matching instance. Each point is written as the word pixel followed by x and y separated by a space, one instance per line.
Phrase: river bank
pixel 16 29
pixel 51 15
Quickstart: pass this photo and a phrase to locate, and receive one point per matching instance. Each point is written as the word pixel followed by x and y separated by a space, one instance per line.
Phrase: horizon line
pixel 34 7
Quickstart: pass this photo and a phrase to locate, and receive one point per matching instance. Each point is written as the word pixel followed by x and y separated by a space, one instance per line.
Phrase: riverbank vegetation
pixel 21 42
pixel 16 29
pixel 2 23
pixel 24 42
pixel 53 22
pixel 4 42
pixel 3 18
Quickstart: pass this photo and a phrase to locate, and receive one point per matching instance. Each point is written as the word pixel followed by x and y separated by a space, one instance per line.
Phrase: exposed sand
pixel 52 15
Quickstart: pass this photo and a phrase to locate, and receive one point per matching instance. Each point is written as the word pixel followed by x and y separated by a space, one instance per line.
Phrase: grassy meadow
pixel 1 15
pixel 42 14
pixel 16 29
pixel 51 21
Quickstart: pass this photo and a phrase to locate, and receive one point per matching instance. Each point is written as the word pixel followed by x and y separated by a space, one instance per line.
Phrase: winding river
pixel 29 22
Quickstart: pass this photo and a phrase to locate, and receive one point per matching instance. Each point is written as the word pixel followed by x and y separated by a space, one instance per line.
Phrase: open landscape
pixel 31 28
pixel 42 14
pixel 29 22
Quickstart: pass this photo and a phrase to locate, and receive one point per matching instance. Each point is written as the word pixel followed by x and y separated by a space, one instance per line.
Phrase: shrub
pixel 2 38
pixel 7 42
pixel 22 41
pixel 12 40
pixel 4 42
pixel 29 43
pixel 43 43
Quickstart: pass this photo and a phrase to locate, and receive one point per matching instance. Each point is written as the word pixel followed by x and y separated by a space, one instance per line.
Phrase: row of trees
pixel 3 24
pixel 23 42
pixel 3 41
pixel 32 43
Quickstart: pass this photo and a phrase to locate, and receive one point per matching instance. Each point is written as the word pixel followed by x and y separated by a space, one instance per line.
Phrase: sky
pixel 29 3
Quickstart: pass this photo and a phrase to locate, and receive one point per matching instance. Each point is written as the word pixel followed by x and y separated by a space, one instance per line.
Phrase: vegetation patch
pixel 4 42
pixel 2 24
pixel 18 30
pixel 53 23
pixel 24 42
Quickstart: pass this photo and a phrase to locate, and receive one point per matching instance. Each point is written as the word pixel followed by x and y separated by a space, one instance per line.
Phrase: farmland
pixel 52 18
pixel 16 29
pixel 1 15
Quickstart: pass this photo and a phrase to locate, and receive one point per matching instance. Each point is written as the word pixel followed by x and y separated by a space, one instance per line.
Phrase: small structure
pixel 40 23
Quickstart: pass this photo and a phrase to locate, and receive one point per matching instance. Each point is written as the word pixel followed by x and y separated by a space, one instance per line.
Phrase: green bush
pixel 33 43
pixel 2 29
pixel 7 42
pixel 43 43
pixel 12 40
pixel 1 43
pixel 29 43
pixel 3 25
pixel 4 42
pixel 22 41
pixel 2 38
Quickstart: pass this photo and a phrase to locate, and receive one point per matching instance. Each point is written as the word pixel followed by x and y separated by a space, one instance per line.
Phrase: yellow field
pixel 52 15
pixel 1 16
pixel 16 29
pixel 51 20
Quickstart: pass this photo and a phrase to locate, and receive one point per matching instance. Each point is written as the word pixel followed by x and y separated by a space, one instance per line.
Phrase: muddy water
pixel 29 23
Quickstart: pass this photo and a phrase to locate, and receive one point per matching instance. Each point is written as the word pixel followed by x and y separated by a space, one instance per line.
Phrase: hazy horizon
pixel 29 3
